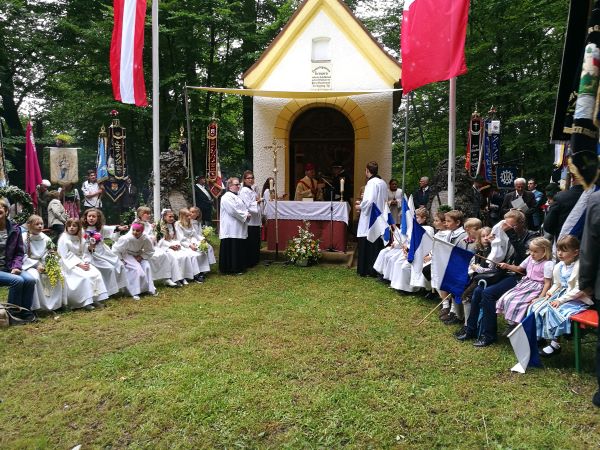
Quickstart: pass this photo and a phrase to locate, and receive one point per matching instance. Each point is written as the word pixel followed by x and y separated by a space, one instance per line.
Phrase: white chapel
pixel 325 48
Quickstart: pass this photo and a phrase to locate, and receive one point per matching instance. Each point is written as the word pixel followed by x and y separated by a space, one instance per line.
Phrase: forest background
pixel 54 68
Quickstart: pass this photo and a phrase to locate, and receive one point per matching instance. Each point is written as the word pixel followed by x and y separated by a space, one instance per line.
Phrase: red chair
pixel 582 320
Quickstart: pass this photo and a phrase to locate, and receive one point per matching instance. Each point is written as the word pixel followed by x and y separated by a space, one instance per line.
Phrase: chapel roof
pixel 383 63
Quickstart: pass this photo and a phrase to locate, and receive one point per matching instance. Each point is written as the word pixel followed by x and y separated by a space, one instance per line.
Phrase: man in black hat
pixel 339 174
pixel 204 199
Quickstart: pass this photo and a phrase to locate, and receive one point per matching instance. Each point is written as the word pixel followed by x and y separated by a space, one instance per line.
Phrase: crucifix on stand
pixel 275 148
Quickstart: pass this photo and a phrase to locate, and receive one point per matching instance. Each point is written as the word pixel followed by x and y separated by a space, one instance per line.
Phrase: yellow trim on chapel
pixel 388 69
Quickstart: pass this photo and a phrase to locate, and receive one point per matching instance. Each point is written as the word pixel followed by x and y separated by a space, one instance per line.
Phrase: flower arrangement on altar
pixel 304 248
pixel 92 238
pixel 52 266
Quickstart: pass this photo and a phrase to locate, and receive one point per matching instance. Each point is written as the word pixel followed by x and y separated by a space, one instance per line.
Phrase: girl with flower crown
pixel 163 265
pixel 85 287
pixel 95 232
pixel 191 240
pixel 49 293
pixel 171 243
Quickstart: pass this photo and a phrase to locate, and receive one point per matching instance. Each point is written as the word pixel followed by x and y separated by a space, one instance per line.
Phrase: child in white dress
pixel 45 296
pixel 170 242
pixel 136 249
pixel 163 265
pixel 195 218
pixel 95 233
pixel 85 287
pixel 191 240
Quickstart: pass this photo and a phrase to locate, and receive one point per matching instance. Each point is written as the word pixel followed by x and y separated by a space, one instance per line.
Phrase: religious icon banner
pixel 63 166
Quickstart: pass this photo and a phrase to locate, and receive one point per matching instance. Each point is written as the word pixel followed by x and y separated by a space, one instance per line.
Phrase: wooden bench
pixel 582 320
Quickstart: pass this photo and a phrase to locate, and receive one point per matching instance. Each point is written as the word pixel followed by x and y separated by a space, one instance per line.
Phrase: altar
pixel 319 214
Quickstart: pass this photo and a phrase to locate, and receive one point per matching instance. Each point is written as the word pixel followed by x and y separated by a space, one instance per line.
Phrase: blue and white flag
pixel 102 158
pixel 377 224
pixel 406 216
pixel 576 219
pixel 524 343
pixel 421 244
pixel 450 268
pixel 387 235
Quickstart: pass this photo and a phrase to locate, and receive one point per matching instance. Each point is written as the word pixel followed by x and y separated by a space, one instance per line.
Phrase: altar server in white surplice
pixel 45 297
pixel 190 240
pixel 253 204
pixel 184 257
pixel 85 287
pixel 195 220
pixel 375 194
pixel 163 265
pixel 95 233
pixel 233 230
pixel 136 250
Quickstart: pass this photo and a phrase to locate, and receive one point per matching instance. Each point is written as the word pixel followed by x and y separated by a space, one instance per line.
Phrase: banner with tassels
pixel 114 186
pixel 474 145
pixel 213 168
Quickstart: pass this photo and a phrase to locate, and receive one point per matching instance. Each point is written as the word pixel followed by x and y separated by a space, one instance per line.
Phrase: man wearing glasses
pixel 233 231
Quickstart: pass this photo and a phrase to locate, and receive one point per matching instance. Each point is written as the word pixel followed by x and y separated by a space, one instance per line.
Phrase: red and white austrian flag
pixel 126 52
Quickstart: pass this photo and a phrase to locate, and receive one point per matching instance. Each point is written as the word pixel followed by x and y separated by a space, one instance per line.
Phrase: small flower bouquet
pixel 304 248
pixel 92 238
pixel 52 266
pixel 208 231
pixel 203 246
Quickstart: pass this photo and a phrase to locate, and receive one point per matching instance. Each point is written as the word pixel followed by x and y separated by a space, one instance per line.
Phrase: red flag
pixel 33 177
pixel 433 41
pixel 126 52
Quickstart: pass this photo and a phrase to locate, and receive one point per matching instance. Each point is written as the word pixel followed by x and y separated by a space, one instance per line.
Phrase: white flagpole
pixel 155 115
pixel 452 142
pixel 404 161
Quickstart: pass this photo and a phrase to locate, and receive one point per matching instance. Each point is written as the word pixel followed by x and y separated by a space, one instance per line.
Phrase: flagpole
pixel 402 218
pixel 189 142
pixel 155 113
pixel 452 142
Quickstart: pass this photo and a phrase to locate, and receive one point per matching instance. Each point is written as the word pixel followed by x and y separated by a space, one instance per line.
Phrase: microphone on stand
pixel 320 177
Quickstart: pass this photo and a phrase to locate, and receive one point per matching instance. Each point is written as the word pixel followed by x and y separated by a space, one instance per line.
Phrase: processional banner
pixel 213 168
pixel 114 186
pixel 63 165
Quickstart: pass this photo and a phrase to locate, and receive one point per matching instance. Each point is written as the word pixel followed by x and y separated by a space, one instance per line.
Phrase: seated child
pixel 563 299
pixel 85 287
pixel 537 268
pixel 135 249
pixel 95 233
pixel 402 272
pixel 45 296
pixel 459 312
pixel 190 240
pixel 170 242
pixel 163 265
pixel 195 218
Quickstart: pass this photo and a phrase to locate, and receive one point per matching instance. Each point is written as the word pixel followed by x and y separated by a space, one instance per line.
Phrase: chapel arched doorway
pixel 321 136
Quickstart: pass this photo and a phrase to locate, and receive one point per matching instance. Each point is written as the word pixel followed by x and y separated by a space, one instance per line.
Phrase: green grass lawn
pixel 280 357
